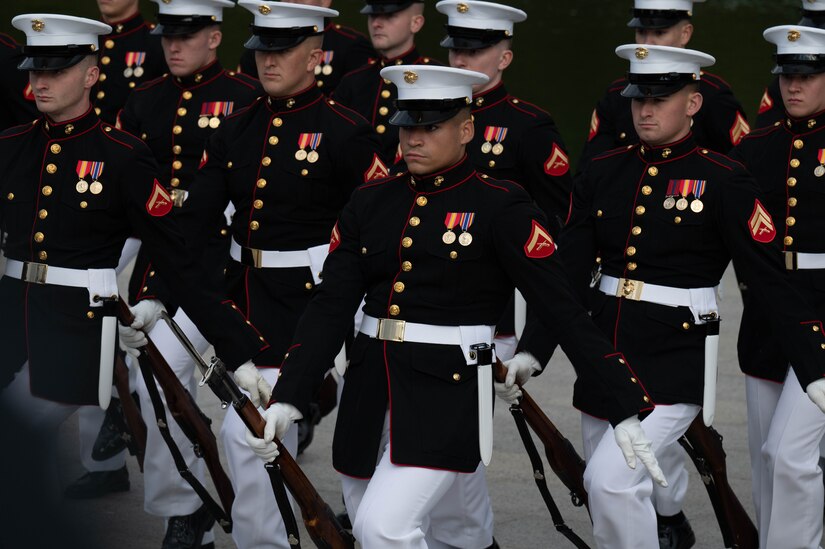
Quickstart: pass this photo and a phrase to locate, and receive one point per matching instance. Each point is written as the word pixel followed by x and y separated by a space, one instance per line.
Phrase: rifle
pixel 319 519
pixel 192 421
pixel 134 421
pixel 561 455
pixel 704 446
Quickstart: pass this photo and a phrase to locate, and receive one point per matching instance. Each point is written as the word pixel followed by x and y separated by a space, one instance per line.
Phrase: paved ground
pixel 521 520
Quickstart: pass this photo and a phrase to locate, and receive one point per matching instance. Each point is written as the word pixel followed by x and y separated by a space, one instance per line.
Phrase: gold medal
pixel 498 148
pixel 465 238
pixel 82 186
pixel 486 147
pixel 138 72
pixel 697 206
pixel 448 237
pixel 300 155
pixel 312 157
pixel 819 171
pixel 96 187
pixel 669 203
pixel 327 70
pixel 682 204
pixel 214 122
pixel 128 72
pixel 203 121
pixel 317 70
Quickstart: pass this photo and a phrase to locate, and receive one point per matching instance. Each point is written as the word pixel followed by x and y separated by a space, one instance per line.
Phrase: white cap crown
pixel 813 5
pixel 424 82
pixel 49 29
pixel 680 5
pixel 481 15
pixel 796 39
pixel 203 8
pixel 651 59
pixel 282 15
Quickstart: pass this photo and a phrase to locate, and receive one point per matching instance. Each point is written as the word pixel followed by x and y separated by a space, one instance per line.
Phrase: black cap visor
pixel 463 38
pixel 272 39
pixel 181 25
pixel 423 112
pixel 656 19
pixel 655 85
pixel 813 19
pixel 378 8
pixel 799 63
pixel 53 58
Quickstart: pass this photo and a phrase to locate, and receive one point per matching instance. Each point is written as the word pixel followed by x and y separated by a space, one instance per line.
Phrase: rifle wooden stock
pixel 185 411
pixel 319 519
pixel 561 455
pixel 134 421
pixel 704 446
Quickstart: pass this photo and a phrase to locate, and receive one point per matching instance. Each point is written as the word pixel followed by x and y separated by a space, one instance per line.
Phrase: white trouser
pixel 621 504
pixel 762 396
pixel 794 494
pixel 412 507
pixel 166 493
pixel 257 523
pixel 42 417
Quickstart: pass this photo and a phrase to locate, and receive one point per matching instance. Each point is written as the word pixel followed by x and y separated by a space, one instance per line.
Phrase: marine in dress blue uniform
pixel 288 163
pixel 720 124
pixel 664 218
pixel 408 422
pixel 784 427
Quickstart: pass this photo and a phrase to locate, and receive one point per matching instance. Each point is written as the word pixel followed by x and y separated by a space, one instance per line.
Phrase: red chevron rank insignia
pixel 335 238
pixel 557 163
pixel 540 243
pixel 159 203
pixel 204 159
pixel 594 125
pixel 377 170
pixel 739 129
pixel 766 103
pixel 28 93
pixel 760 224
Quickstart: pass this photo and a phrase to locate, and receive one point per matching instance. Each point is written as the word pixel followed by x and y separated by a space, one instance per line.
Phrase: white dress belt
pixel 388 329
pixel 271 259
pixel 100 283
pixel 636 290
pixel 801 260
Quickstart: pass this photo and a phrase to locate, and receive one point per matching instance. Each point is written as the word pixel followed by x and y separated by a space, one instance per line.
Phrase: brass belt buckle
pixel 257 257
pixel 34 272
pixel 391 330
pixel 630 289
pixel 790 261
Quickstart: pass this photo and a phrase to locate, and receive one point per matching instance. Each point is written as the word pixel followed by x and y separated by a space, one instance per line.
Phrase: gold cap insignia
pixel 167 1
pixel 264 9
pixel 38 25
pixel 410 77
pixel 462 8
pixel 641 53
pixel 793 35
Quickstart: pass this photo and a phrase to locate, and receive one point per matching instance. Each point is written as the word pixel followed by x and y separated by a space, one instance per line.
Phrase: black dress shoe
pixel 675 532
pixel 98 483
pixel 114 435
pixel 186 532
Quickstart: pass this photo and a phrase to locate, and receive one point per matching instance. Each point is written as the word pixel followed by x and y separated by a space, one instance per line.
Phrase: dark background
pixel 564 51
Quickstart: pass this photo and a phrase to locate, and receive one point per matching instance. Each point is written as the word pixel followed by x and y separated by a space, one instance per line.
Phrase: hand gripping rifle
pixel 319 519
pixel 195 425
pixel 561 455
pixel 704 446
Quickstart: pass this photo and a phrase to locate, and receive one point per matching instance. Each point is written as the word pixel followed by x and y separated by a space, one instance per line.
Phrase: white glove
pixel 133 337
pixel 510 395
pixel 249 378
pixel 634 443
pixel 816 392
pixel 279 417
pixel 520 368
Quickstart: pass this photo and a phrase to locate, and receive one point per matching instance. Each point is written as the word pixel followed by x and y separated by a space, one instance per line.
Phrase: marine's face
pixel 803 94
pixel 391 31
pixel 490 61
pixel 664 120
pixel 676 36
pixel 430 149
pixel 287 72
pixel 187 53
pixel 63 94
pixel 117 10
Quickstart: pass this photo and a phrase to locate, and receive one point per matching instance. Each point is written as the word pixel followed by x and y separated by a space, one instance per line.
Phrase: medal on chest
pixel 211 112
pixel 493 138
pixel 311 140
pixel 819 171
pixel 684 188
pixel 93 169
pixel 134 59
